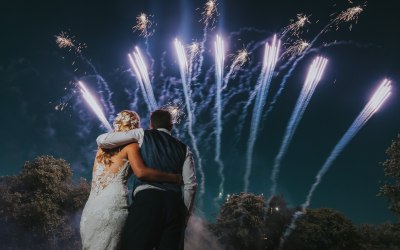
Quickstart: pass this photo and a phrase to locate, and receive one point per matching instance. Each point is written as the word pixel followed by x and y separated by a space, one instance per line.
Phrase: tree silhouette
pixel 240 224
pixel 391 168
pixel 40 207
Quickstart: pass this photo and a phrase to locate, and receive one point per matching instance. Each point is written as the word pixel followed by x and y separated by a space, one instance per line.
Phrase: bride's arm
pixel 143 172
pixel 116 139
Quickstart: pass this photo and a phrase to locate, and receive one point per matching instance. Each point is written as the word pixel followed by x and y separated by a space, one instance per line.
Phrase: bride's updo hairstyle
pixel 124 121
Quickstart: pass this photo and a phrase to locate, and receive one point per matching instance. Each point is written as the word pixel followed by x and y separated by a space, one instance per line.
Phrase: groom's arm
pixel 189 181
pixel 115 139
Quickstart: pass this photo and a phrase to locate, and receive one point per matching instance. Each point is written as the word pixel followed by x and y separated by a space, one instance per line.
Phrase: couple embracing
pixel 160 208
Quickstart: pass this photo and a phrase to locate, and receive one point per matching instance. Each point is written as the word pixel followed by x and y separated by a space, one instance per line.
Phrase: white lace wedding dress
pixel 106 210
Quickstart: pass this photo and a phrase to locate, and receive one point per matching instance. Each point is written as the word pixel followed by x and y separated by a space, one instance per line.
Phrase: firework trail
pixel 351 14
pixel 238 61
pixel 376 101
pixel 194 52
pixel 313 77
pixel 183 68
pixel 143 78
pixel 209 11
pixel 219 72
pixel 64 41
pixel 94 106
pixel 269 63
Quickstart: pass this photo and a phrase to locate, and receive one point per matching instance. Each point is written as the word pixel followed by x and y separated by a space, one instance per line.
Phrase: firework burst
pixel 296 48
pixel 209 11
pixel 175 109
pixel 143 25
pixel 65 41
pixel 296 26
pixel 349 15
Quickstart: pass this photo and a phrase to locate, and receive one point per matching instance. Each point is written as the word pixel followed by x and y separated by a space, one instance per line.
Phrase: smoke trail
pixel 311 82
pixel 183 68
pixel 219 71
pixel 379 97
pixel 269 63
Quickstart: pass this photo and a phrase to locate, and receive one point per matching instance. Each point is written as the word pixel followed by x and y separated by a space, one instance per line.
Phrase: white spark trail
pixel 219 71
pixel 143 78
pixel 376 101
pixel 313 77
pixel 94 106
pixel 270 59
pixel 183 68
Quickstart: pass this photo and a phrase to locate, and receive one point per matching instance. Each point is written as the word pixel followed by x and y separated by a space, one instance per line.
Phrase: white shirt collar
pixel 164 130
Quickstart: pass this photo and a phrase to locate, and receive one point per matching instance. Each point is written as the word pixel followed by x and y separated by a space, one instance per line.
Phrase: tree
pixel 391 168
pixel 278 218
pixel 240 224
pixel 384 236
pixel 323 228
pixel 40 207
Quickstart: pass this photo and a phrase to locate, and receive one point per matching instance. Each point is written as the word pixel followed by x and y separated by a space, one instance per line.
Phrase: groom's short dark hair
pixel 161 118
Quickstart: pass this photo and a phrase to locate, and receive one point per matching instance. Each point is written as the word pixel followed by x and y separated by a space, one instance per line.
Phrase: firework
pixel 209 11
pixel 143 78
pixel 351 14
pixel 296 26
pixel 94 105
pixel 175 110
pixel 183 68
pixel 143 25
pixel 270 59
pixel 65 41
pixel 296 48
pixel 239 60
pixel 376 101
pixel 313 77
pixel 219 72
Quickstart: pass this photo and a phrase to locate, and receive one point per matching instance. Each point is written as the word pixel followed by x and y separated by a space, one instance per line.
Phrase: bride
pixel 106 210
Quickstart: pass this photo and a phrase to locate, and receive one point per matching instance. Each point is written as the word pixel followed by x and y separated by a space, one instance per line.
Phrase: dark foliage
pixel 385 236
pixel 240 224
pixel 391 167
pixel 40 208
pixel 323 228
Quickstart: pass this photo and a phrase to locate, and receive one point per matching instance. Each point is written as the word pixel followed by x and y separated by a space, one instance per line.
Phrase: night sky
pixel 36 75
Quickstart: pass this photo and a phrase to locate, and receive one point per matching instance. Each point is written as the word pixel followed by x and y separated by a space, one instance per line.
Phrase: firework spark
pixel 65 41
pixel 94 106
pixel 239 60
pixel 351 14
pixel 175 110
pixel 296 48
pixel 209 11
pixel 295 27
pixel 142 75
pixel 143 25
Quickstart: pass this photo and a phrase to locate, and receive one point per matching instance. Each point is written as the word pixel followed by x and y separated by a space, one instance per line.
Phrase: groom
pixel 159 213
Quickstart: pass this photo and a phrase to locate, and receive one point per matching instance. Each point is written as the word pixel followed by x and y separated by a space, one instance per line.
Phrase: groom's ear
pixel 151 125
